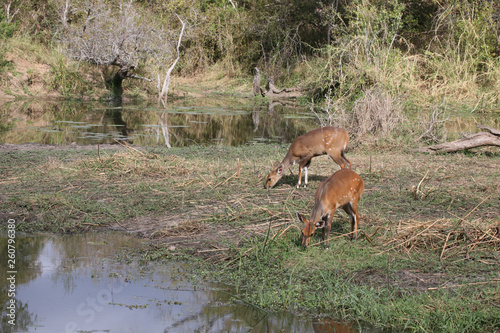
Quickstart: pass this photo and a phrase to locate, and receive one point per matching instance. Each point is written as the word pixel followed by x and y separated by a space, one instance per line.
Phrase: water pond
pixel 223 121
pixel 89 283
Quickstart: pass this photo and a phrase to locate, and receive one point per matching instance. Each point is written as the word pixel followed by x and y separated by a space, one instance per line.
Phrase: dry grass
pixel 412 204
pixel 376 113
pixel 137 162
pixel 452 238
pixel 184 228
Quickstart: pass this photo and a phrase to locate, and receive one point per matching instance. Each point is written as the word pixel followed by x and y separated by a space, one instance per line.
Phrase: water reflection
pixel 457 126
pixel 28 248
pixel 221 120
pixel 182 123
pixel 72 283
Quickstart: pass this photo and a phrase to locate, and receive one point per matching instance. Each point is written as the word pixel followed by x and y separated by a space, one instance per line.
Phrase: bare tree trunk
pixel 64 14
pixel 8 14
pixel 115 84
pixel 490 138
pixel 162 94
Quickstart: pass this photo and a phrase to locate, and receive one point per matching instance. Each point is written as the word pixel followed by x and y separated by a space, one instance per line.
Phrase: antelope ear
pixel 276 165
pixel 320 224
pixel 301 218
pixel 280 168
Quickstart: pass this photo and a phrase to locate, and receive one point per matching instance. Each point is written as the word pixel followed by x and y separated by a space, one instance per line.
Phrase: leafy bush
pixel 65 79
pixel 6 29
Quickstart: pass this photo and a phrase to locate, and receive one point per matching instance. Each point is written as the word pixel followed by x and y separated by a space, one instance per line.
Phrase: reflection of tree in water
pixel 184 129
pixel 163 126
pixel 237 317
pixel 23 319
pixel 27 250
pixel 219 121
pixel 116 118
pixel 76 256
pixel 271 122
pixel 115 115
pixel 67 257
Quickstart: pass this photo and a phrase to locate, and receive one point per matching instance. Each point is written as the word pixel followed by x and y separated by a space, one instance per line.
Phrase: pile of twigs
pixel 450 236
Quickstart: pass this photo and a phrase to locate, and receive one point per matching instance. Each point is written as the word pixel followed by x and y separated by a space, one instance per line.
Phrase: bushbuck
pixel 325 140
pixel 342 189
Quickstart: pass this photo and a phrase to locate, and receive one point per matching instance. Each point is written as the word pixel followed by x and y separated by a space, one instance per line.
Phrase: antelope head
pixel 274 175
pixel 307 231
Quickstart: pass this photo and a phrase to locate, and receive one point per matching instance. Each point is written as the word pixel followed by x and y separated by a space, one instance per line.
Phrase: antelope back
pixel 326 137
pixel 344 186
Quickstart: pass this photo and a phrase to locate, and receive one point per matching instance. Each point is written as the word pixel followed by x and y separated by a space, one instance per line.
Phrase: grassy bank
pixel 428 260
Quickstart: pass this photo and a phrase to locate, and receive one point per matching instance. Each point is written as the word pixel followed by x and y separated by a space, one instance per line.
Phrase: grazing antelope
pixel 342 189
pixel 325 140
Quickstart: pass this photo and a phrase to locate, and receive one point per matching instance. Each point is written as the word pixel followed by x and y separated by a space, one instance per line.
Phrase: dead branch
pixel 490 138
pixel 271 90
pixel 489 129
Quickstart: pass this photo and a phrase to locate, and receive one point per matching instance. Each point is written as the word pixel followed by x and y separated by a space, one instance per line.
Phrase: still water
pixel 75 283
pixel 191 121
pixel 224 121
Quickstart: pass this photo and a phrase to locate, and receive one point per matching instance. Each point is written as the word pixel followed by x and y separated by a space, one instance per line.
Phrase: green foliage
pixel 465 51
pixel 424 49
pixel 6 29
pixel 438 54
pixel 362 49
pixel 377 22
pixel 38 19
pixel 66 80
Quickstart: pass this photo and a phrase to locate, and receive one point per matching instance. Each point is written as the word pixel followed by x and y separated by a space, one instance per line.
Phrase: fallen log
pixel 490 138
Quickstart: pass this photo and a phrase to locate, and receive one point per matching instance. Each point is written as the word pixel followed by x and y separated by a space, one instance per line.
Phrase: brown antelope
pixel 325 140
pixel 342 189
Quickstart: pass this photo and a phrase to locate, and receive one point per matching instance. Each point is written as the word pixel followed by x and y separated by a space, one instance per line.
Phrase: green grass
pixel 287 276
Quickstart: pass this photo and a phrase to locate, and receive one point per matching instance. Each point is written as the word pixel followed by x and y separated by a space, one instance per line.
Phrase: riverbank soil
pixel 427 257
